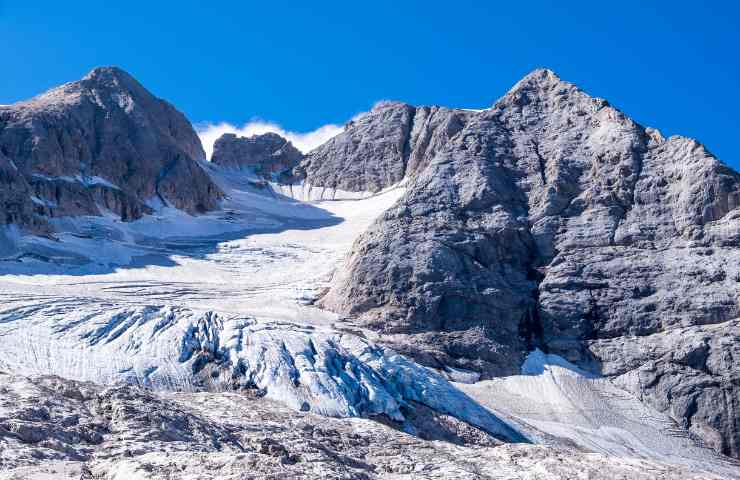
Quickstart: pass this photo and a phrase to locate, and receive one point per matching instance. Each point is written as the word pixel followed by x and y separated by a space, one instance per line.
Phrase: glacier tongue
pixel 177 348
pixel 231 310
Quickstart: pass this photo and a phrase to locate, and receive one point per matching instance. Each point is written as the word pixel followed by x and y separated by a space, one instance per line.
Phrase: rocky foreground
pixel 52 428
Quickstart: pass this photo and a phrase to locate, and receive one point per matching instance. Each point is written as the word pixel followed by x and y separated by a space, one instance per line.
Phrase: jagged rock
pixel 156 435
pixel 17 205
pixel 267 154
pixel 380 148
pixel 101 143
pixel 689 373
pixel 551 220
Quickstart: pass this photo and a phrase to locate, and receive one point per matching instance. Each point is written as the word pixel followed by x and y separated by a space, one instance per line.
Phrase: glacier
pixel 224 302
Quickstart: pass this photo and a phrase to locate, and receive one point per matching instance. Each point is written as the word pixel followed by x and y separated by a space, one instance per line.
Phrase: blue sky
pixel 671 65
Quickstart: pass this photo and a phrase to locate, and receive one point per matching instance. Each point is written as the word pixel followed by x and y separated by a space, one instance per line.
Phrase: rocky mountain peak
pixel 551 221
pixel 105 143
pixel 267 154
pixel 539 78
pixel 114 78
pixel 117 82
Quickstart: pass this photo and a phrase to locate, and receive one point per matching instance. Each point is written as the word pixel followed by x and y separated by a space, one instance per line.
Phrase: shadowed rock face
pixel 552 220
pixel 266 154
pixel 101 143
pixel 17 204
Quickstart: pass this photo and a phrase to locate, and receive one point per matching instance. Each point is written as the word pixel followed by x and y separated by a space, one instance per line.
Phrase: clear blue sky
pixel 671 65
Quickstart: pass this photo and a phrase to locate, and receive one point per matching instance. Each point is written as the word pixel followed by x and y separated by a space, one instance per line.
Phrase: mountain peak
pixel 107 72
pixel 542 73
pixel 268 153
pixel 539 79
pixel 113 77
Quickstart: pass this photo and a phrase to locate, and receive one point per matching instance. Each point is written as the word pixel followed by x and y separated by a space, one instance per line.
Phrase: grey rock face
pixel 104 143
pixel 16 199
pixel 689 372
pixel 382 147
pixel 267 154
pixel 552 220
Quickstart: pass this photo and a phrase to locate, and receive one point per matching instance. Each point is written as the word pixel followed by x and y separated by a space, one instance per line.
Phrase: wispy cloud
pixel 303 141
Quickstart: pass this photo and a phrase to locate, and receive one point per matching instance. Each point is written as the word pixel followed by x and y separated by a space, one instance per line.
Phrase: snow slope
pixel 554 402
pixel 162 308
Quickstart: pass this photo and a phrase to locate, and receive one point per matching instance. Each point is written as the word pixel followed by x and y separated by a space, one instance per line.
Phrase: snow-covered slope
pixel 217 312
pixel 556 403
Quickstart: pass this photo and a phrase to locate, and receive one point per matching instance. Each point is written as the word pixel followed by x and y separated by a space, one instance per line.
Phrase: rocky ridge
pixel 380 148
pixel 266 154
pixel 100 144
pixel 554 221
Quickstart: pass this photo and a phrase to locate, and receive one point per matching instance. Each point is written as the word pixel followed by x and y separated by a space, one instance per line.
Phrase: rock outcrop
pixel 382 147
pixel 103 143
pixel 552 220
pixel 17 202
pixel 266 154
pixel 56 428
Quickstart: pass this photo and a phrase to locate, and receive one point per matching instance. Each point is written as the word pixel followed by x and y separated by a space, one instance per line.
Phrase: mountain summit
pixel 550 221
pixel 100 144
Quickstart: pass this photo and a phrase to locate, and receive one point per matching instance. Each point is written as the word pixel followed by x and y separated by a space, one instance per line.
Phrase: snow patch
pixel 556 403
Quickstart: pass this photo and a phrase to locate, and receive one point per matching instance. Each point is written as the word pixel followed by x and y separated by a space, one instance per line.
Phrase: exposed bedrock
pixel 103 143
pixel 266 154
pixel 552 220
pixel 56 428
pixel 381 147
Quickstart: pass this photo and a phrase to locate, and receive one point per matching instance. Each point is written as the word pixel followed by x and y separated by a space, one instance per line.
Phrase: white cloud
pixel 305 142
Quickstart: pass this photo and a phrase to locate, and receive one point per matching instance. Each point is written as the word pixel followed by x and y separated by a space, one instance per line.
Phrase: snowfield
pixel 183 305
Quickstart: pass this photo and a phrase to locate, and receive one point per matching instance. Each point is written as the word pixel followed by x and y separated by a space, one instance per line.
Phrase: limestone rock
pixel 17 202
pixel 103 143
pixel 688 372
pixel 55 428
pixel 267 154
pixel 380 148
pixel 552 220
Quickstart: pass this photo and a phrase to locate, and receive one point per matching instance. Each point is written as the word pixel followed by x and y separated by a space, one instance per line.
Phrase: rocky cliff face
pixel 267 154
pixel 17 204
pixel 103 143
pixel 552 220
pixel 382 147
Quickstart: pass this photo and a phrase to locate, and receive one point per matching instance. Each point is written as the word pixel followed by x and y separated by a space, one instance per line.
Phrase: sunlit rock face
pixel 380 148
pixel 66 430
pixel 101 144
pixel 552 220
pixel 265 154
